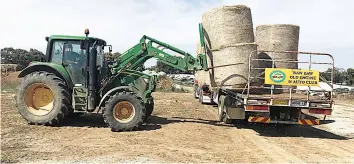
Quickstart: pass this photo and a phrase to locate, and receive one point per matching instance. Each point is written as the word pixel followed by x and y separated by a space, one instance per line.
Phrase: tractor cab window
pixel 72 57
pixel 75 59
pixel 73 54
pixel 68 52
pixel 57 52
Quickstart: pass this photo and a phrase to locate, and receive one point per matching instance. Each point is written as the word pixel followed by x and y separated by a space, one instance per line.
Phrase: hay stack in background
pixel 278 37
pixel 228 25
pixel 234 76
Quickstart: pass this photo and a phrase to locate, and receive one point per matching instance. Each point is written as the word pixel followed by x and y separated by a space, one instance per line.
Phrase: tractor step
pixel 79 99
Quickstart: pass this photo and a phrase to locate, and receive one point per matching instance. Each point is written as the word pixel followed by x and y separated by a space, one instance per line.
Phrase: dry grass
pixel 164 84
pixel 9 82
pixel 344 99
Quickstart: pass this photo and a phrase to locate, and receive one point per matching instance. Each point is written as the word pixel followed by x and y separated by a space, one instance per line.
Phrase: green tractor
pixel 74 77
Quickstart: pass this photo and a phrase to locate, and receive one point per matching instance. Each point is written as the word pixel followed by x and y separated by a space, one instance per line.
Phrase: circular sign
pixel 277 76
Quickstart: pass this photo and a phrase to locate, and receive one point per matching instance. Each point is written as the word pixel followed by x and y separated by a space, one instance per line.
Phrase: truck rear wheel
pixel 195 93
pixel 42 98
pixel 221 111
pixel 201 98
pixel 124 112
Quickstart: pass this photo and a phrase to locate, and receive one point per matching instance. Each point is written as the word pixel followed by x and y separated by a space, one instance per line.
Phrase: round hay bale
pixel 234 76
pixel 278 37
pixel 228 25
pixel 208 54
pixel 204 77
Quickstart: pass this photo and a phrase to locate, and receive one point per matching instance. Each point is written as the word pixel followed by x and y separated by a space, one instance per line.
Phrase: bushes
pixel 20 57
pixel 166 84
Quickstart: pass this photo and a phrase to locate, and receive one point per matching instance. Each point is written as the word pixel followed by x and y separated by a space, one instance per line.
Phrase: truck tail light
pixel 257 107
pixel 321 111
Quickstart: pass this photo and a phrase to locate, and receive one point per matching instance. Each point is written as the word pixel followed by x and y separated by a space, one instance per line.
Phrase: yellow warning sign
pixel 294 77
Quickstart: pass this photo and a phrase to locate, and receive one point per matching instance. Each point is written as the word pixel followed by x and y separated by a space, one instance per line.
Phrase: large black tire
pixel 135 120
pixel 201 96
pixel 196 92
pixel 221 111
pixel 149 109
pixel 220 108
pixel 60 99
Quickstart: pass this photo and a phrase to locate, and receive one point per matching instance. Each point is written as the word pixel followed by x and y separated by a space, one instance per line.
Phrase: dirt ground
pixel 180 130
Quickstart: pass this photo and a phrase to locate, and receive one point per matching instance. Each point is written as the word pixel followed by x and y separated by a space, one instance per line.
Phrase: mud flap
pixel 232 111
pixel 235 113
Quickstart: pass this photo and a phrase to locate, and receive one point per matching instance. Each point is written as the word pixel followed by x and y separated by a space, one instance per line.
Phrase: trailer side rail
pixel 257 72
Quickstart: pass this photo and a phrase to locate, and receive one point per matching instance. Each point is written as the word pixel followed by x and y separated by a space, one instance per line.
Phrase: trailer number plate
pixel 280 102
pixel 298 103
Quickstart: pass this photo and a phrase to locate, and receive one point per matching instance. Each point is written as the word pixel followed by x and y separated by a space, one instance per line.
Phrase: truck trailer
pixel 277 99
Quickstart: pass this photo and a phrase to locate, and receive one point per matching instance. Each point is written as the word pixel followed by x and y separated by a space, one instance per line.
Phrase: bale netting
pixel 278 37
pixel 234 76
pixel 228 25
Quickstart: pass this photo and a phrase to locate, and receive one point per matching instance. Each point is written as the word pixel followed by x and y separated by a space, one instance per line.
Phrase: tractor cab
pixel 71 52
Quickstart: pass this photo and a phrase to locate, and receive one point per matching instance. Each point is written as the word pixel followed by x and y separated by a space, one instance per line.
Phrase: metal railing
pixel 251 77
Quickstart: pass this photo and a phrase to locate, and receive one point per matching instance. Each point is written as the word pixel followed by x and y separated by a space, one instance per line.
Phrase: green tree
pixel 350 72
pixel 20 57
pixel 112 56
pixel 340 75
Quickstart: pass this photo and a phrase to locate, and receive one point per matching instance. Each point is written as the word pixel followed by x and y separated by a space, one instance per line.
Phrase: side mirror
pixel 109 48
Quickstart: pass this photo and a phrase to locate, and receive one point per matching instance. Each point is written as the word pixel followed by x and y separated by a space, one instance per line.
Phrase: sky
pixel 325 25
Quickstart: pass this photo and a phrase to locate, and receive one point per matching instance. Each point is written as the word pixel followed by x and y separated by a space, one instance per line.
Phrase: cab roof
pixel 69 37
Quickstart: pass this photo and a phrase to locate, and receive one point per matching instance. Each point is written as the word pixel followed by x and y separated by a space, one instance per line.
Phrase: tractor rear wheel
pixel 42 98
pixel 124 111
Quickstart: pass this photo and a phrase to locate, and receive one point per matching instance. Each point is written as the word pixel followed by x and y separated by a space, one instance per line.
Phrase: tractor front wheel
pixel 42 98
pixel 124 111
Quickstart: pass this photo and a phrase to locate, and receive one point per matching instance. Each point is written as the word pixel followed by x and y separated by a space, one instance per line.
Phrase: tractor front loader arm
pixel 151 48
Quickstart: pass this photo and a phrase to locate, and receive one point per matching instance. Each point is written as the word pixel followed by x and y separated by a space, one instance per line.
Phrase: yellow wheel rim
pixel 124 111
pixel 39 99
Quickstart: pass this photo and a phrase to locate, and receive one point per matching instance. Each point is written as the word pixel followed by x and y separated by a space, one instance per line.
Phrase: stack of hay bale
pixel 229 40
pixel 205 77
pixel 278 37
